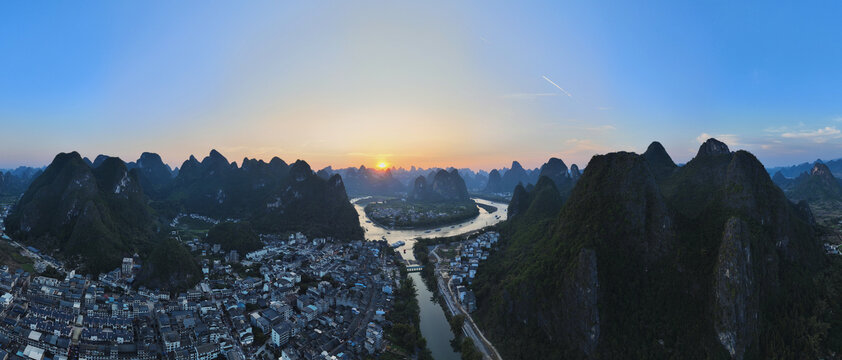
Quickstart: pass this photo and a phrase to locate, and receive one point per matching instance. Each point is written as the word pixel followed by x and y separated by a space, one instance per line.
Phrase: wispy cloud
pixel 819 135
pixel 779 129
pixel 528 95
pixel 558 87
pixel 602 128
pixel 729 139
pixel 365 154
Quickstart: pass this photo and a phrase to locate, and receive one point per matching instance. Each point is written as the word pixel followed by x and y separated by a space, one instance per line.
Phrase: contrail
pixel 556 85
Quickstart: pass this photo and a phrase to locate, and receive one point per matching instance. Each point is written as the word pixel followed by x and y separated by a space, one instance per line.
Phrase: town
pixel 296 298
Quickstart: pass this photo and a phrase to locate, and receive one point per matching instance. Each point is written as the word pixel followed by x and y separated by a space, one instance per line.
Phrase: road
pixel 469 328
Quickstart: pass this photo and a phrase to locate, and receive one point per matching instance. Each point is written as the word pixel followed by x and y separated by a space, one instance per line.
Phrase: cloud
pixel 729 139
pixel 558 87
pixel 602 128
pixel 527 95
pixel 819 135
pixel 365 154
pixel 778 129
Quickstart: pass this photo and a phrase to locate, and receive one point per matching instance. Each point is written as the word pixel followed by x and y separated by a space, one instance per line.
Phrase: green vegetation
pixel 272 197
pixel 373 199
pixel 11 256
pixel 52 272
pixel 259 337
pixel 405 331
pixel 91 217
pixel 460 342
pixel 170 266
pixel 655 247
pixel 420 214
pixel 235 236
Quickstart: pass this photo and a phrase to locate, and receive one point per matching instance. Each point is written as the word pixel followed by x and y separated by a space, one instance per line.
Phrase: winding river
pixel 375 232
pixel 434 324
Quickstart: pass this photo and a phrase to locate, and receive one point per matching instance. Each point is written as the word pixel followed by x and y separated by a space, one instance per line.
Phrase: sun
pixel 382 165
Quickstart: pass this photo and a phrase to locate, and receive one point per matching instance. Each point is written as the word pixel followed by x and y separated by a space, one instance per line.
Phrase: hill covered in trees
pixel 648 260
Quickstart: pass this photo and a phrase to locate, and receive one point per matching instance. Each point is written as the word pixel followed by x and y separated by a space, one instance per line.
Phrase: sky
pixel 427 83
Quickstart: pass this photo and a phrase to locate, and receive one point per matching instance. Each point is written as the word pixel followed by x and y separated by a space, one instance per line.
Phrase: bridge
pixel 414 268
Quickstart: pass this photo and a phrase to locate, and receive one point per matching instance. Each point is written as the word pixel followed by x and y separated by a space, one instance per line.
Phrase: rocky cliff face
pixel 735 301
pixel 702 261
pixel 90 216
pixel 712 147
pixel 581 298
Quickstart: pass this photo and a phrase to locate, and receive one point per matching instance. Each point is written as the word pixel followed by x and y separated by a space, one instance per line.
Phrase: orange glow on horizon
pixel 382 165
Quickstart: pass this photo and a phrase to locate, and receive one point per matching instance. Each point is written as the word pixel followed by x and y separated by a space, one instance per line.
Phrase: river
pixel 375 232
pixel 434 325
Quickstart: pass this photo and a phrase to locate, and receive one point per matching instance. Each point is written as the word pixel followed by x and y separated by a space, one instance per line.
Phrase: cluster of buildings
pixel 4 211
pixel 297 298
pixel 464 264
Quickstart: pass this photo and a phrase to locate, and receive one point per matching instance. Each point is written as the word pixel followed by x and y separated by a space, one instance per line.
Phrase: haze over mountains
pixel 794 171
pixel 711 259
pixel 819 184
pixel 14 182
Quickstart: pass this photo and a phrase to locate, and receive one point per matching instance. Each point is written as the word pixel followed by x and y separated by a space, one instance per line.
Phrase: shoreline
pixel 441 225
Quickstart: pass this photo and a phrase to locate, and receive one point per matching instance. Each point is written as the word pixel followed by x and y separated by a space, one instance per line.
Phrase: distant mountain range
pixel 794 171
pixel 400 182
pixel 645 259
pixel 14 182
pixel 817 185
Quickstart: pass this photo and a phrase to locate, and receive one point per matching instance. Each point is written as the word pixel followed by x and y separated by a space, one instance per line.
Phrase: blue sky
pixel 432 83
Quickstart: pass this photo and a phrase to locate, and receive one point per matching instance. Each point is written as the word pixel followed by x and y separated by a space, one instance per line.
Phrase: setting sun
pixel 382 165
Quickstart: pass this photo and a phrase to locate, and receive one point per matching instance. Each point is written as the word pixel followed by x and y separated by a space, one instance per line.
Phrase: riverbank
pixel 469 340
pixel 404 334
pixel 489 208
pixel 411 215
pixel 502 198
pixel 434 324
